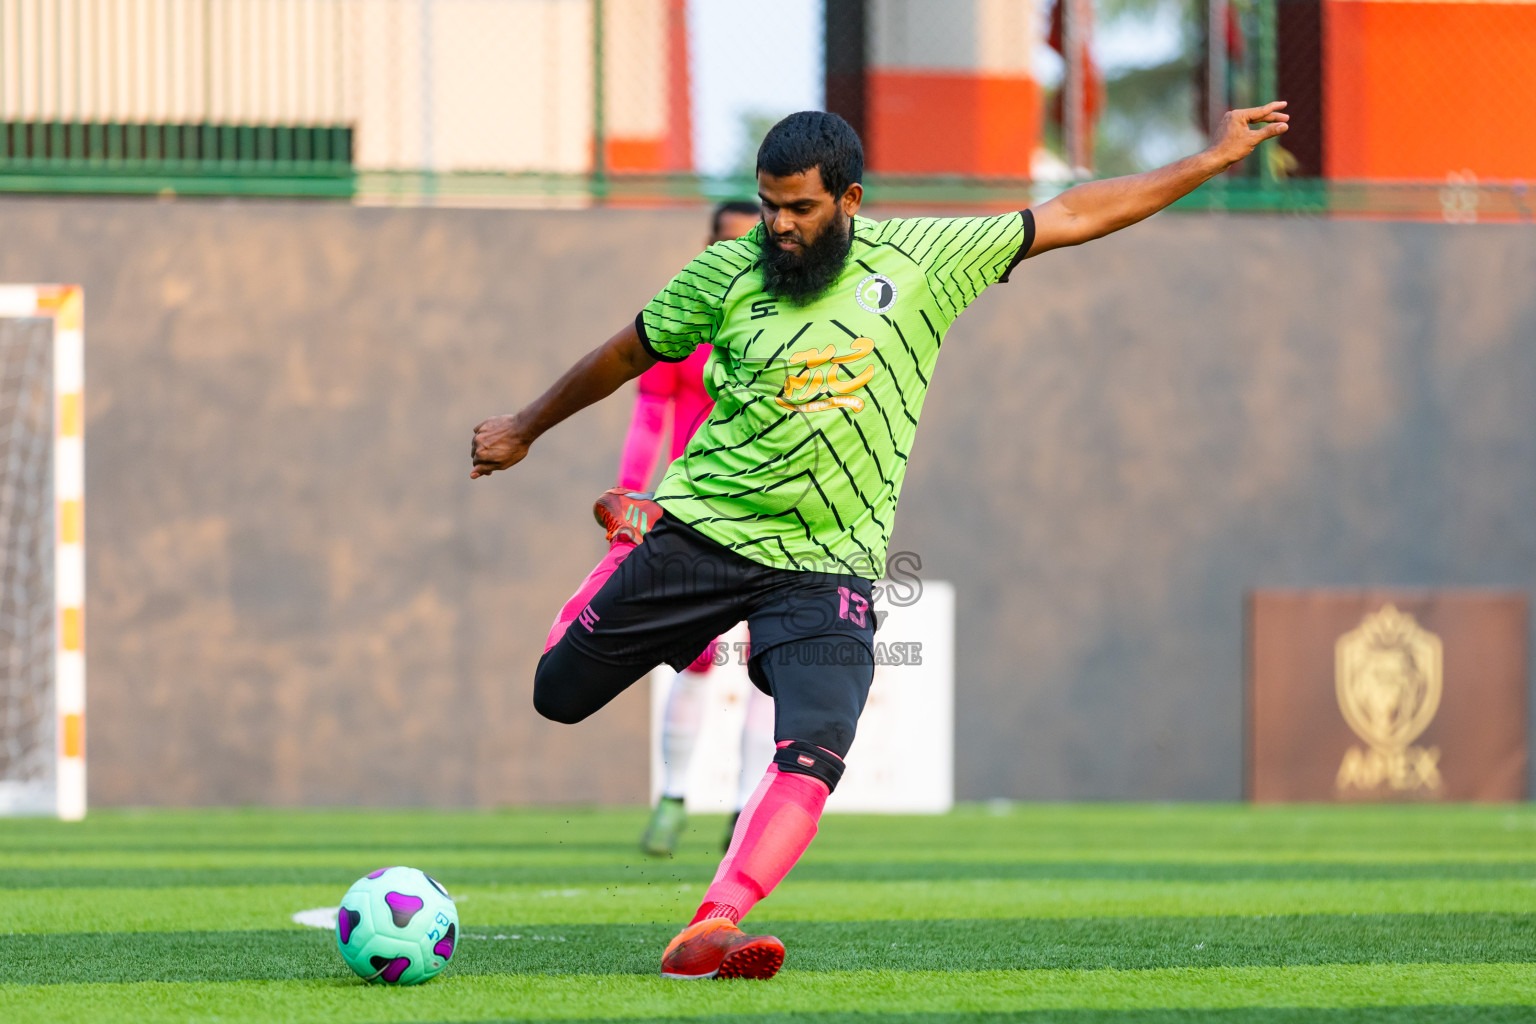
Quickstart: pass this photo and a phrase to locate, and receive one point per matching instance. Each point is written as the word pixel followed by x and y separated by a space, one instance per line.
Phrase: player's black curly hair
pixel 814 138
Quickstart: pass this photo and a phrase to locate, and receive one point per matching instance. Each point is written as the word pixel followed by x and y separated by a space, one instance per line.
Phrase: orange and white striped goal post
pixel 63 305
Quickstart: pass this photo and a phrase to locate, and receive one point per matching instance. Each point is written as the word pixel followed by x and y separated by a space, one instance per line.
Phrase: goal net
pixel 42 584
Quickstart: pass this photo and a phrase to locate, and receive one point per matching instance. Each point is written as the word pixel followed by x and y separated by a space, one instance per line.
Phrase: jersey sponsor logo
pixel 822 385
pixel 876 293
pixel 762 308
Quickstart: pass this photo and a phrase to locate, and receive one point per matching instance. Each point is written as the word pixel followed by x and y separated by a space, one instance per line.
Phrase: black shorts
pixel 812 634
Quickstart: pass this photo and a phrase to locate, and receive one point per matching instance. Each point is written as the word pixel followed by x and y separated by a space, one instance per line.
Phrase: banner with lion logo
pixel 1365 695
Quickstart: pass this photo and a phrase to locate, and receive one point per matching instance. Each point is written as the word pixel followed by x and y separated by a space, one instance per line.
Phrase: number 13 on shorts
pixel 852 606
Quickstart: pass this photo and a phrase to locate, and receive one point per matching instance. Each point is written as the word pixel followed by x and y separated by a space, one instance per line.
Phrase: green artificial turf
pixel 1013 944
pixel 553 997
pixel 275 870
pixel 1080 913
pixel 269 906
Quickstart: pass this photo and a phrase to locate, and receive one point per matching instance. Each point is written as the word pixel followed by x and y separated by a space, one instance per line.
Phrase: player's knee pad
pixel 801 758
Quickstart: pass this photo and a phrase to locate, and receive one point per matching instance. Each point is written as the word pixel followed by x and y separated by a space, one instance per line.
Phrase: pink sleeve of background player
pixel 643 442
pixel 688 413
pixel 691 403
pixel 680 385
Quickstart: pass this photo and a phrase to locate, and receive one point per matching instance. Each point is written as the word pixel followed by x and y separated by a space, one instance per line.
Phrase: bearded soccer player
pixel 826 328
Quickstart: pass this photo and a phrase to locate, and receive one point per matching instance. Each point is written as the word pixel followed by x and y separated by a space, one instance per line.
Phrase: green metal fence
pixel 195 159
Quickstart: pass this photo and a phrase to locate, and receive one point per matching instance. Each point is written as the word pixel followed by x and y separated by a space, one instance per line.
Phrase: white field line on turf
pixel 325 917
pixel 318 917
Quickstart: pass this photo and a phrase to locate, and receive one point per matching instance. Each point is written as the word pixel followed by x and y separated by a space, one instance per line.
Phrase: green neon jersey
pixel 800 462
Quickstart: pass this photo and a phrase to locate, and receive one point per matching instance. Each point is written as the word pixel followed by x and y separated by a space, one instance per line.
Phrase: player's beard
pixel 801 275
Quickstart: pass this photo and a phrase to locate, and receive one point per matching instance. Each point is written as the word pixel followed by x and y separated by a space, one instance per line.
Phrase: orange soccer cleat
pixel 716 948
pixel 627 514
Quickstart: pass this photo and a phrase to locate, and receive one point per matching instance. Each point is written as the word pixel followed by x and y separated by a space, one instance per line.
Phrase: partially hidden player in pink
pixel 670 406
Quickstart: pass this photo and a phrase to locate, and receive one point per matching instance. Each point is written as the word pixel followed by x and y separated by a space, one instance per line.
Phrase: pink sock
pixel 589 586
pixel 774 829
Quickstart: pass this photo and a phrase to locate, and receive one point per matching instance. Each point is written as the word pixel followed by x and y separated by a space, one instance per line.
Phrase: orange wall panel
pixel 1416 90
pixel 919 123
pixel 679 143
pixel 636 156
pixel 650 115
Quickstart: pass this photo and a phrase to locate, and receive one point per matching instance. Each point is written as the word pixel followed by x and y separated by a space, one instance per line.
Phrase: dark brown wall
pixel 297 595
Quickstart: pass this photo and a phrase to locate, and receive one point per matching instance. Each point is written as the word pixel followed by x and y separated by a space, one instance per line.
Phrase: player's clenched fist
pixel 497 444
pixel 1242 130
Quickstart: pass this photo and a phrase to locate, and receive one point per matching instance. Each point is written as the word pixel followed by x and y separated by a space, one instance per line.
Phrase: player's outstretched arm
pixel 501 441
pixel 1096 208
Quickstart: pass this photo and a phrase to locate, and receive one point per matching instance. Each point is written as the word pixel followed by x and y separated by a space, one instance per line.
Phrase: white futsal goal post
pixel 42 551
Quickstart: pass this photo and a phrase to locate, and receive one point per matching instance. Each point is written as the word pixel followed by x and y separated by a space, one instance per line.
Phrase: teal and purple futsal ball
pixel 397 926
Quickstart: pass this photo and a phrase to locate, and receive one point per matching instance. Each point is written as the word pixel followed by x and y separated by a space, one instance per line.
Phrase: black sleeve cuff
pixel 645 342
pixel 1029 240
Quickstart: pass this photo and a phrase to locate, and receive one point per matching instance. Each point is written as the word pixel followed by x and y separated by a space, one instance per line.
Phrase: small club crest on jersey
pixel 876 293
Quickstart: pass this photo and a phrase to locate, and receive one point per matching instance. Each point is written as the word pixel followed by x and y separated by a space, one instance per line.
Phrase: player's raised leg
pixel 583 596
pixel 627 517
pixel 646 613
